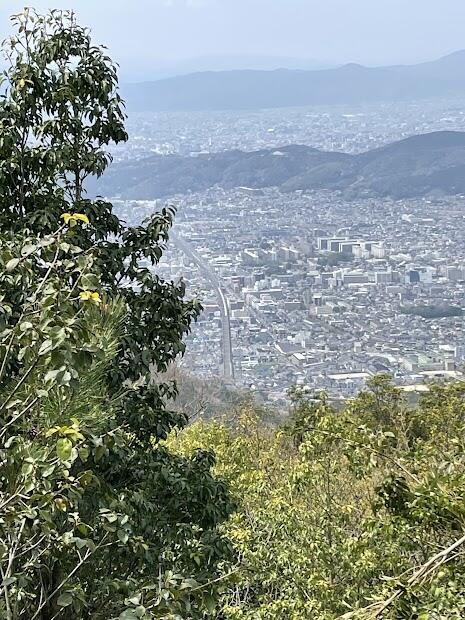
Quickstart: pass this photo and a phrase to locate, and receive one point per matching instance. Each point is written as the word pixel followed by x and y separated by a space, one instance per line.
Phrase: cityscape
pixel 313 290
pixel 346 128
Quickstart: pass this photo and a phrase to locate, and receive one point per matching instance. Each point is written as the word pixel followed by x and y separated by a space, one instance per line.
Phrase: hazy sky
pixel 145 33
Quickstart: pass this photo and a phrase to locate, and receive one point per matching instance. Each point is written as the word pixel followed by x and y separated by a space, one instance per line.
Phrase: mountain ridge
pixel 255 89
pixel 415 166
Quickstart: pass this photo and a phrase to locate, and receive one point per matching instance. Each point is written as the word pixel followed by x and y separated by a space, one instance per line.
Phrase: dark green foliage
pixel 432 312
pixel 62 107
pixel 117 525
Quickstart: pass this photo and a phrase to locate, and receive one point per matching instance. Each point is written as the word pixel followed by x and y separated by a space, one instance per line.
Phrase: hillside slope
pixel 415 166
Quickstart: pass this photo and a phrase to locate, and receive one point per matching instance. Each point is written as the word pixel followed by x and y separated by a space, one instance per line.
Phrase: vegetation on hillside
pixel 355 514
pixel 422 165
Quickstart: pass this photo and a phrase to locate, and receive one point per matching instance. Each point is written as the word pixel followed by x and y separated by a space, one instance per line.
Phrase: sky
pixel 149 36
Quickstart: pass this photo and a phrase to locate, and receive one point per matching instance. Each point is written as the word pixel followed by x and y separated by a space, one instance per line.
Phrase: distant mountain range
pixel 417 166
pixel 162 69
pixel 249 89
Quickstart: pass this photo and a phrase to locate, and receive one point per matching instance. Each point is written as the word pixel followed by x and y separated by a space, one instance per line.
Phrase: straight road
pixel 209 273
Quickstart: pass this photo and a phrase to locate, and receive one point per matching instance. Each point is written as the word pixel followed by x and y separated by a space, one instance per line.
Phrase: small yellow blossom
pixel 91 296
pixel 73 218
pixel 22 83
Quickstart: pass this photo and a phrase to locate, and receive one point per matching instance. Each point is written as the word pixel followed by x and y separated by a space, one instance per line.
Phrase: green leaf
pixel 83 454
pixel 51 375
pixel 48 470
pixel 210 603
pixel 189 584
pixel 28 249
pixel 27 469
pixel 8 581
pixel 80 542
pixel 12 264
pixel 123 536
pixel 64 449
pixel 100 453
pixel 45 347
pixel 89 281
pixel 128 614
pixel 65 599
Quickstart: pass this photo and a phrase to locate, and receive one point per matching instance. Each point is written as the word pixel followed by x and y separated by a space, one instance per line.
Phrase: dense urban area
pixel 351 129
pixel 308 288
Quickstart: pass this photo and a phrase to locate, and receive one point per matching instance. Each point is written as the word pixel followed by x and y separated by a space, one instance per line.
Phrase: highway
pixel 209 273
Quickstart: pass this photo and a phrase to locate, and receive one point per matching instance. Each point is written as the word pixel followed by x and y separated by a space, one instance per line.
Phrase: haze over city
pixel 156 38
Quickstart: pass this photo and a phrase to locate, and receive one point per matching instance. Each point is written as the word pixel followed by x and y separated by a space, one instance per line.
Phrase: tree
pixel 53 356
pixel 149 517
pixel 60 110
pixel 341 515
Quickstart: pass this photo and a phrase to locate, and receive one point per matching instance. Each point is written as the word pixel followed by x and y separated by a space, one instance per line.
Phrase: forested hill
pixel 416 166
pixel 351 83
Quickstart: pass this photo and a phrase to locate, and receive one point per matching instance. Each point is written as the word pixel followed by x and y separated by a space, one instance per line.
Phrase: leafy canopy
pixel 97 518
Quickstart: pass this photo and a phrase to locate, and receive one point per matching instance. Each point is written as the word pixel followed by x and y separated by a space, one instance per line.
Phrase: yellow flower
pixel 22 83
pixel 93 297
pixel 73 218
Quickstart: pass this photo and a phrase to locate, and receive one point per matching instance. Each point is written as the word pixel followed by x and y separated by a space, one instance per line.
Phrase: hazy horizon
pixel 151 37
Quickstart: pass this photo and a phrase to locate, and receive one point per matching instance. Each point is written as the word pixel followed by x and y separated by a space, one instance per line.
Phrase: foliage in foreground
pixel 344 512
pixel 97 518
pixel 89 524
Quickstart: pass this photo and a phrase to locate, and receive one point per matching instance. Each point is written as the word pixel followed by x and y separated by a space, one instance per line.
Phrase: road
pixel 209 273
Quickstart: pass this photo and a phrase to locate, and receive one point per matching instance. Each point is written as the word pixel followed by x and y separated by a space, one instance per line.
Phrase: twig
pixel 20 383
pixel 435 560
pixel 21 413
pixel 370 449
pixel 425 569
pixel 67 578
pixel 222 578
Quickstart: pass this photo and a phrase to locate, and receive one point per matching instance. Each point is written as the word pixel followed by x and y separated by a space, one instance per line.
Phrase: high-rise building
pixel 378 251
